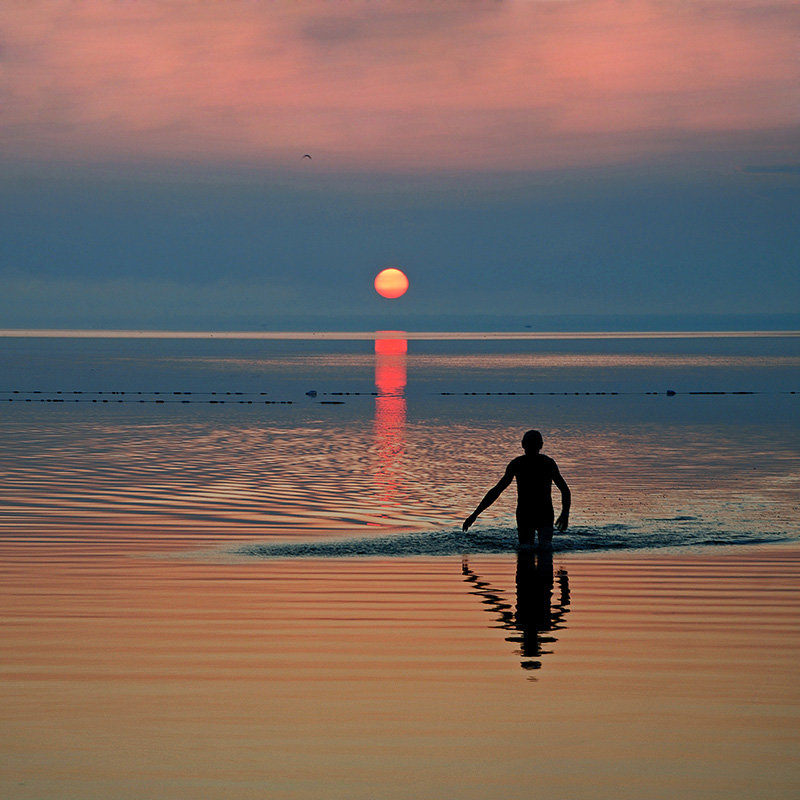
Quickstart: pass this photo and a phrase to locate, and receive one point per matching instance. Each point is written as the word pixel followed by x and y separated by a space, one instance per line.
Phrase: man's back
pixel 534 473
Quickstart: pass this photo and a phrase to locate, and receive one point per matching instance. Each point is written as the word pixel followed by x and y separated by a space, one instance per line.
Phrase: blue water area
pixel 188 436
pixel 678 532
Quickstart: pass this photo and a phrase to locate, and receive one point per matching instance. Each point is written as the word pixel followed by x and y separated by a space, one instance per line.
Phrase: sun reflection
pixel 390 411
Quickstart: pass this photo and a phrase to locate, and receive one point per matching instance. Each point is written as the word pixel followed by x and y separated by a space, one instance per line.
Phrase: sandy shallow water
pixel 661 675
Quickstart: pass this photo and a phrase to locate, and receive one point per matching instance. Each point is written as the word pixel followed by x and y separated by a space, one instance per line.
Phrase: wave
pixel 612 537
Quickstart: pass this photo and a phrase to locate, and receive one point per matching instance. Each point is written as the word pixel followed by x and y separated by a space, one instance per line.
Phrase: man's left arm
pixel 562 523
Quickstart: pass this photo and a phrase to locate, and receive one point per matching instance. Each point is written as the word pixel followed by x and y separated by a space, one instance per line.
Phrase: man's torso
pixel 534 476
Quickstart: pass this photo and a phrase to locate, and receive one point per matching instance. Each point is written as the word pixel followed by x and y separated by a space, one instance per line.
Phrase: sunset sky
pixel 557 163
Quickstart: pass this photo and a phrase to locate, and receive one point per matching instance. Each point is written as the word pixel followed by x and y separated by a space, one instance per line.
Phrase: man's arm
pixel 491 496
pixel 562 523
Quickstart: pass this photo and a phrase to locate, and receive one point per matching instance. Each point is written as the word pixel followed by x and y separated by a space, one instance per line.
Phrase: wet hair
pixel 532 440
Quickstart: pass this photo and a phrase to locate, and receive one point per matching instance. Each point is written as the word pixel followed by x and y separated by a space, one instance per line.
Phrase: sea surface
pixel 233 566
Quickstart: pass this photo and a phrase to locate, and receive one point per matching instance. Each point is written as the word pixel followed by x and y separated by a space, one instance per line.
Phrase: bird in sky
pixel 307 156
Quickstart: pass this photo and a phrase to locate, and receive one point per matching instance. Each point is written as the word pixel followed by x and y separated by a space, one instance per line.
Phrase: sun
pixel 391 283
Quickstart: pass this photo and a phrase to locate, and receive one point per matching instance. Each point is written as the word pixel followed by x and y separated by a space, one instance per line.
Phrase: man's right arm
pixel 490 497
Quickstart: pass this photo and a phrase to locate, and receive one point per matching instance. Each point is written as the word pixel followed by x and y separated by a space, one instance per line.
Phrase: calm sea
pixel 233 568
pixel 665 441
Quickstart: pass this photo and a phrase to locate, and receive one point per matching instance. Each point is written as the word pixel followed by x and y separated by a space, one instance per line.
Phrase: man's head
pixel 532 442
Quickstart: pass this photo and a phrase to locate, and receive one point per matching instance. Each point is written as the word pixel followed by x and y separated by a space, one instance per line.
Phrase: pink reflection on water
pixel 390 412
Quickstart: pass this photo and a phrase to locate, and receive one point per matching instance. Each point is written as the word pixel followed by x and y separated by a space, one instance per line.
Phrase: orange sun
pixel 391 283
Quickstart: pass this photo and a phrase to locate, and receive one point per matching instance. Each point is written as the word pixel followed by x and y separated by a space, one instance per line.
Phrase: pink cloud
pixel 397 85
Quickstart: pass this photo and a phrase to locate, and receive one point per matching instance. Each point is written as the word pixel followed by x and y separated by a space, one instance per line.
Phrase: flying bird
pixel 307 156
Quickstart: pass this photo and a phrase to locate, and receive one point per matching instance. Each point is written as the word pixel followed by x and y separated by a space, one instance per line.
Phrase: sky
pixel 556 164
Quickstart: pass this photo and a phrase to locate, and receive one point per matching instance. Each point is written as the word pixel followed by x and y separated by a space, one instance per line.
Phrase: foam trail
pixel 504 540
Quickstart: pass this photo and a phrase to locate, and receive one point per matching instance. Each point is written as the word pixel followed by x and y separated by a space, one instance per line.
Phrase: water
pixel 206 437
pixel 676 532
pixel 234 568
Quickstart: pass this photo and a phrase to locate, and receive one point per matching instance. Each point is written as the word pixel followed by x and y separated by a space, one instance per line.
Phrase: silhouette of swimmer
pixel 535 474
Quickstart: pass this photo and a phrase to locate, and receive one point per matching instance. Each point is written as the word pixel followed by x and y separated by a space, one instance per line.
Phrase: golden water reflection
pixel 390 412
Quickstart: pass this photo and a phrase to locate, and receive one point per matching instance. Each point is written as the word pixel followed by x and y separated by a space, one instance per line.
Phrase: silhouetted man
pixel 535 474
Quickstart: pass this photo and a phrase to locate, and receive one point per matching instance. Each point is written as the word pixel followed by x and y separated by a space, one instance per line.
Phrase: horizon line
pixel 88 333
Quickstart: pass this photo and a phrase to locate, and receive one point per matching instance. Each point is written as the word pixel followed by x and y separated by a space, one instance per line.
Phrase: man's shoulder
pixel 532 462
pixel 550 463
pixel 539 463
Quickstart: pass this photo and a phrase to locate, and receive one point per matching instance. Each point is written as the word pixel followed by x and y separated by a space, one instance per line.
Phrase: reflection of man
pixel 534 612
pixel 535 474
pixel 535 615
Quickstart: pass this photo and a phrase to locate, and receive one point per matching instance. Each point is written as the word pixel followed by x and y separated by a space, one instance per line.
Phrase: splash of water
pixel 676 532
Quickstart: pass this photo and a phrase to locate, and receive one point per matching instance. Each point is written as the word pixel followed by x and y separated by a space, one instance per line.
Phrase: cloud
pixel 773 169
pixel 395 85
pixel 133 302
pixel 380 25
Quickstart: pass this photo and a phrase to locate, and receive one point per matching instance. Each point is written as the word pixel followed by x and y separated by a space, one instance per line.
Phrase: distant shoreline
pixel 47 333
